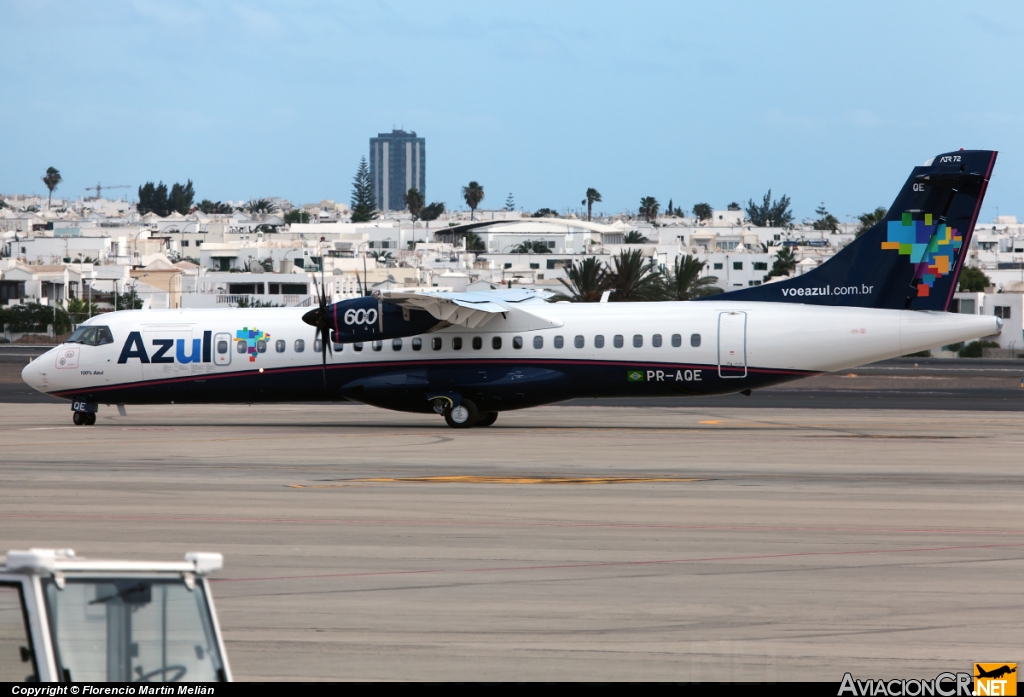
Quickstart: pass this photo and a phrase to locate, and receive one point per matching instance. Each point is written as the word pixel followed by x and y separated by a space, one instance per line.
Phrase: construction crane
pixel 100 187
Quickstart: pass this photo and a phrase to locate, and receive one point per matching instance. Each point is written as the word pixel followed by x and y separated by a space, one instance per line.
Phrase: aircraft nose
pixel 33 374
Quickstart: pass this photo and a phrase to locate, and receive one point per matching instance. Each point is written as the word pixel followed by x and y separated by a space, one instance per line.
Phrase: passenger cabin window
pixel 300 346
pixel 496 343
pixel 677 340
pixel 240 347
pixel 656 341
pixel 318 346
pixel 599 341
pixel 457 343
pixel 222 347
pixel 435 343
pixel 377 345
pixel 478 343
pixel 517 342
pixel 559 342
pixel 91 336
pixel 358 346
pixel 417 344
pixel 538 342
pixel 695 340
pixel 261 346
pixel 337 346
pixel 578 341
pixel 638 340
pixel 617 341
pixel 280 345
pixel 396 344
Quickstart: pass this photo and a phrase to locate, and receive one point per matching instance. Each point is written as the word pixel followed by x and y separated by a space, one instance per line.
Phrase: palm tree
pixel 531 247
pixel 634 278
pixel 260 205
pixel 587 281
pixel 649 208
pixel 593 196
pixel 870 219
pixel 634 237
pixel 414 202
pixel 784 264
pixel 51 179
pixel 475 243
pixel 684 281
pixel 474 194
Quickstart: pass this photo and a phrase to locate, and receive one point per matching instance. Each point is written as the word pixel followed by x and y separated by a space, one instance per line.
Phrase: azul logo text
pixel 167 350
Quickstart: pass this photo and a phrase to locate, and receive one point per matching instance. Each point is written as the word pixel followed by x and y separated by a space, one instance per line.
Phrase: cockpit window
pixel 91 335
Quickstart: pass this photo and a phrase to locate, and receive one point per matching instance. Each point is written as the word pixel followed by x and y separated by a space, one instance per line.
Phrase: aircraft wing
pixel 499 310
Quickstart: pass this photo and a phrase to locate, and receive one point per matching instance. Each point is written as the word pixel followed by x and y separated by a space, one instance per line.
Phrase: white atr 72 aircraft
pixel 469 356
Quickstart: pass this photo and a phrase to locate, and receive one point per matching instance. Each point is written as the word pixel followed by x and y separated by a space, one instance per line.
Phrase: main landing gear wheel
pixel 487 419
pixel 463 416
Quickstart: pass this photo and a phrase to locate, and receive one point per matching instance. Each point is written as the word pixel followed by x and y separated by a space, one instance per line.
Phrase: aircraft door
pixel 172 351
pixel 222 349
pixel 732 344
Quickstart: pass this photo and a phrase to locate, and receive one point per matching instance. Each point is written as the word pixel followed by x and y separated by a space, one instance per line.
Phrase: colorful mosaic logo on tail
pixel 932 247
pixel 251 337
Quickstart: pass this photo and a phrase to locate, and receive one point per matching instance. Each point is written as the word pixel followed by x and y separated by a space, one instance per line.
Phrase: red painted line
pixel 644 562
pixel 517 524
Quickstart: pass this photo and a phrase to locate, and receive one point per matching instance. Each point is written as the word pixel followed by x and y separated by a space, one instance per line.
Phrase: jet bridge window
pixel 517 342
pixel 300 346
pixel 538 342
pixel 478 343
pixel 638 340
pixel 280 345
pixel 559 342
pixel 457 343
pixel 396 344
pixel 656 341
pixel 695 340
pixel 677 340
pixel 578 341
pixel 417 344
pixel 617 341
pixel 599 341
pixel 496 343
pixel 91 336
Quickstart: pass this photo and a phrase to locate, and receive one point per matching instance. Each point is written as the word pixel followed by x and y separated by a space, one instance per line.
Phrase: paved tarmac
pixel 677 544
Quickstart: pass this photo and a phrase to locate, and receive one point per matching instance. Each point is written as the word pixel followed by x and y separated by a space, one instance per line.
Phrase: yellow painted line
pixel 709 422
pixel 475 479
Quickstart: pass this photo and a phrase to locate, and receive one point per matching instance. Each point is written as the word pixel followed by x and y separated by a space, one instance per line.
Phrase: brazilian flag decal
pixel 635 376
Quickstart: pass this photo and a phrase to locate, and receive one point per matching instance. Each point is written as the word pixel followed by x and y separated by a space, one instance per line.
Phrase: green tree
pixel 414 202
pixel 976 349
pixel 474 243
pixel 585 281
pixel 973 280
pixel 684 281
pixel 703 211
pixel 80 310
pixel 510 203
pixel 593 196
pixel 784 264
pixel 634 237
pixel 825 220
pixel 364 206
pixel 473 194
pixel 649 207
pixel 215 207
pixel 734 206
pixel 770 213
pixel 33 317
pixel 634 278
pixel 296 215
pixel 432 212
pixel 260 206
pixel 531 247
pixel 181 197
pixel 870 219
pixel 156 198
pixel 546 213
pixel 52 178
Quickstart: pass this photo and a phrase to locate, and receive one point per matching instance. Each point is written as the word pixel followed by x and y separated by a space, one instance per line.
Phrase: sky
pixel 693 102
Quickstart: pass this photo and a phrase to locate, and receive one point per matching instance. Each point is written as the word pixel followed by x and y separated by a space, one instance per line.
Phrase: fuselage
pixel 599 350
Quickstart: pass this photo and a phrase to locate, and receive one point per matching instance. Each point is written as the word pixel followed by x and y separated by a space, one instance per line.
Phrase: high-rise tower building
pixel 398 162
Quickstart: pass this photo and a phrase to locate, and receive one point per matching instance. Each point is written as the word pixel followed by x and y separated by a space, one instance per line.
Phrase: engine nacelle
pixel 372 319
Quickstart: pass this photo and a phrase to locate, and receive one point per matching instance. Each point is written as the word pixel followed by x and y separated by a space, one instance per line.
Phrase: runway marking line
pixel 478 479
pixel 710 422
pixel 641 562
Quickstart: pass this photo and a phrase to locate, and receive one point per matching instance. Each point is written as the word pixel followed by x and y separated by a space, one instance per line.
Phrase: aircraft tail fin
pixel 912 259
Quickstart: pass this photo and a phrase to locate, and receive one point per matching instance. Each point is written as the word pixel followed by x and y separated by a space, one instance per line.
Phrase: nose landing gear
pixel 83 418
